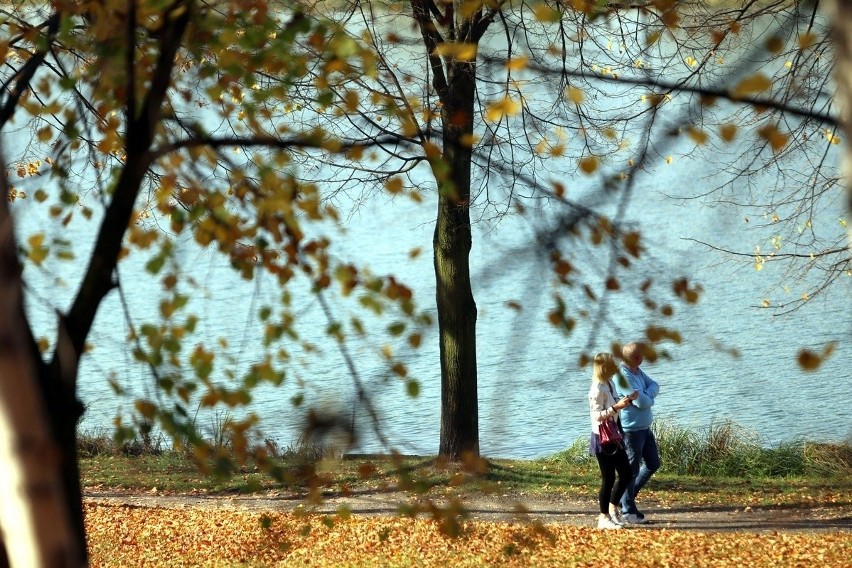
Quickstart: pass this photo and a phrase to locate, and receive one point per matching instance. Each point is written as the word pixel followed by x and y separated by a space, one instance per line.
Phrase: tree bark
pixel 840 14
pixel 38 526
pixel 452 245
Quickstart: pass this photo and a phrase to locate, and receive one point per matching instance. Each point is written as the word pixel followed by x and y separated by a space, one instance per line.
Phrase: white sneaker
pixel 617 518
pixel 634 519
pixel 607 523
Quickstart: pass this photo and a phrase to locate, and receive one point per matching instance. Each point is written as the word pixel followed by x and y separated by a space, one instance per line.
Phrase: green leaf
pixel 397 328
pixel 412 387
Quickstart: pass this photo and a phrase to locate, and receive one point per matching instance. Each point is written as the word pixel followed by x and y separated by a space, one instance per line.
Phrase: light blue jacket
pixel 637 416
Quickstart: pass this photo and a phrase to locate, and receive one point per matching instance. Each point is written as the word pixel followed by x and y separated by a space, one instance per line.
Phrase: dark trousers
pixel 611 489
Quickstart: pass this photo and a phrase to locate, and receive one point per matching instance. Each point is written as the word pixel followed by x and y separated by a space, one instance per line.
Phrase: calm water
pixel 532 393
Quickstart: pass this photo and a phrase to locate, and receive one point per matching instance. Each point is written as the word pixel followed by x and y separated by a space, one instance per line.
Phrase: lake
pixel 532 393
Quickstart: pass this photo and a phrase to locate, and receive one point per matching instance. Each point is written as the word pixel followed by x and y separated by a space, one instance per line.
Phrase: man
pixel 636 421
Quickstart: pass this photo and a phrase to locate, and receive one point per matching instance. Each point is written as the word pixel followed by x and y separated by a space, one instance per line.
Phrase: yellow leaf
pixel 652 38
pixel 457 50
pixel 499 109
pixel 691 61
pixel 38 250
pixel 589 164
pixel 546 14
pixel 575 95
pixel 757 83
pixel 831 137
pixel 469 8
pixel 517 63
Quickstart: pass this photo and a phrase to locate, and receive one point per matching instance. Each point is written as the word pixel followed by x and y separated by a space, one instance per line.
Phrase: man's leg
pixel 650 463
pixel 634 446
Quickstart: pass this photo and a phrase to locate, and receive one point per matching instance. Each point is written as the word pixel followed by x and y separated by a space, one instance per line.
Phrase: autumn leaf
pixel 589 165
pixel 752 85
pixel 777 140
pixel 504 107
pixel 457 50
pixel 574 95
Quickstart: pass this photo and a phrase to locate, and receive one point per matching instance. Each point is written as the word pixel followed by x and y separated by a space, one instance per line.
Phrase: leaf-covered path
pixel 366 530
pixel 805 516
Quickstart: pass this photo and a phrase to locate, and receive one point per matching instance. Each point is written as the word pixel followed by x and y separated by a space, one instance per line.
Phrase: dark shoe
pixel 634 519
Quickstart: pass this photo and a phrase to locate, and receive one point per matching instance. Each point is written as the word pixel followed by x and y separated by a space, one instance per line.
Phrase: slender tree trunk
pixel 39 520
pixel 840 14
pixel 452 244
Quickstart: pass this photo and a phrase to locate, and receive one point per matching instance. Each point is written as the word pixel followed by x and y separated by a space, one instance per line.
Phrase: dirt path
pixel 521 508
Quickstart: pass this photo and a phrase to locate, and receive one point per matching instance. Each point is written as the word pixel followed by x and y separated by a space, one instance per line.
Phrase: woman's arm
pixel 601 404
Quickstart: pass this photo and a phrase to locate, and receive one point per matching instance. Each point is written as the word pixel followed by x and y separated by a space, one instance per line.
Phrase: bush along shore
pixel 723 462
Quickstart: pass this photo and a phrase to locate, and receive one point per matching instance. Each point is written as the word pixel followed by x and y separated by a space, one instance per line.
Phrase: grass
pixel 724 463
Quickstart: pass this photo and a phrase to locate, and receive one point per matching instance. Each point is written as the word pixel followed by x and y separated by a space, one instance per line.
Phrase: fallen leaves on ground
pixel 126 535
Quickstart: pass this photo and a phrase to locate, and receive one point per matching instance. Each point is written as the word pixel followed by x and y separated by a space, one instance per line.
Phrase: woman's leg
pixel 607 467
pixel 621 464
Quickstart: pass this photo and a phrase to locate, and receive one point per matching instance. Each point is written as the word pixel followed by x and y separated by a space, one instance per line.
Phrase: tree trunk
pixel 840 14
pixel 40 521
pixel 452 244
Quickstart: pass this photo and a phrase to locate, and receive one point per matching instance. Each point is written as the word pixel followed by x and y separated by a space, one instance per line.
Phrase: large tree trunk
pixel 41 517
pixel 452 243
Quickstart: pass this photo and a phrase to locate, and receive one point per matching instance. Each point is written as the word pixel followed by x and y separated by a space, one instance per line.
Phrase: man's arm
pixel 637 383
pixel 651 386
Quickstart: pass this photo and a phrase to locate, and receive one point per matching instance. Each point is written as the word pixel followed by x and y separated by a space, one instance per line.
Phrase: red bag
pixel 610 434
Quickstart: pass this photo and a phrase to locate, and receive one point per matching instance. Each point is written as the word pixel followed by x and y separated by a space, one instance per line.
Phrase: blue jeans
pixel 644 459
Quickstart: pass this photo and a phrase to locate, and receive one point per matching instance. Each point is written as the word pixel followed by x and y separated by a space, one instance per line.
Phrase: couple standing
pixel 636 457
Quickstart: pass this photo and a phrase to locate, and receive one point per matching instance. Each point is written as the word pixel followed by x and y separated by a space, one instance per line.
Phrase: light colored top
pixel 638 416
pixel 601 399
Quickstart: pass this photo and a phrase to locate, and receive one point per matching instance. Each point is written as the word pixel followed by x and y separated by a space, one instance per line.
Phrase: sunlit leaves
pixel 574 95
pixel 457 50
pixel 546 14
pixel 125 535
pixel 38 249
pixel 517 63
pixel 831 136
pixel 506 106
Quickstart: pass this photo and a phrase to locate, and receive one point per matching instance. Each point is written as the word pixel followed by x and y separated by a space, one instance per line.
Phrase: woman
pixel 611 457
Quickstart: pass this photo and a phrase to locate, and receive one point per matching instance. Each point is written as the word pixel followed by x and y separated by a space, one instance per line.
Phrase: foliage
pixel 125 536
pixel 726 449
pixel 706 459
pixel 151 126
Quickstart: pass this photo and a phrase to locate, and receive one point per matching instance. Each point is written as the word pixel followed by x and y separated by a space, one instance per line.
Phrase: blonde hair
pixel 604 368
pixel 631 350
